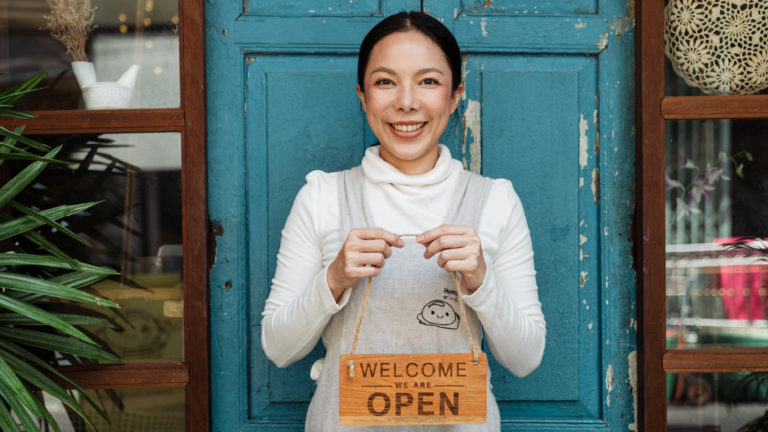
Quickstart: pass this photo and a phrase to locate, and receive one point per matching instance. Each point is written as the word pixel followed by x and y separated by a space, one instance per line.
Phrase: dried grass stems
pixel 70 22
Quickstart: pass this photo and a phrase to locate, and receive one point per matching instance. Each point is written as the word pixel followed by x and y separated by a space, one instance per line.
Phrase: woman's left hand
pixel 460 251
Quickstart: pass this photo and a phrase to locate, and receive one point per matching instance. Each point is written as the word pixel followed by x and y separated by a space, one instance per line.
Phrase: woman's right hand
pixel 361 256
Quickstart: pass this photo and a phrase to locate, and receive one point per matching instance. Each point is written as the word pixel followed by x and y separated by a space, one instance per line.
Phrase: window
pixel 145 157
pixel 701 217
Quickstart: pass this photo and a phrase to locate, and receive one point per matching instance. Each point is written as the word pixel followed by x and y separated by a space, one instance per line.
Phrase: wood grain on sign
pixel 407 389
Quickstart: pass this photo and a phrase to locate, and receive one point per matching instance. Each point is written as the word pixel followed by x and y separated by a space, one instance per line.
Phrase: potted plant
pixel 70 22
pixel 34 271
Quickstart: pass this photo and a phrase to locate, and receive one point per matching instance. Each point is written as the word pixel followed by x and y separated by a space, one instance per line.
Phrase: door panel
pixel 287 137
pixel 547 105
pixel 528 7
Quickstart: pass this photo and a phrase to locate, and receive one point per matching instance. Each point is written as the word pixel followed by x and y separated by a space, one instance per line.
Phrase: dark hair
pixel 406 21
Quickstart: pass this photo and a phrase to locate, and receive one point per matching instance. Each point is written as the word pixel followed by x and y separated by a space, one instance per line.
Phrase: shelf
pixel 714 107
pixel 716 360
pixel 101 121
pixel 126 375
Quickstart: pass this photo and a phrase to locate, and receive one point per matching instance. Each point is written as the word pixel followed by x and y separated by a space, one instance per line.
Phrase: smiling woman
pixel 408 97
pixel 342 230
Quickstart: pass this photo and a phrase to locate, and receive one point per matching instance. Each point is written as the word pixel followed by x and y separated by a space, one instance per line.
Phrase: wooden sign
pixel 411 389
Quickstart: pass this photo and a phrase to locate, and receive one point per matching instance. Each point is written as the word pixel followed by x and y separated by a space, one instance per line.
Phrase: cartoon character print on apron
pixel 413 307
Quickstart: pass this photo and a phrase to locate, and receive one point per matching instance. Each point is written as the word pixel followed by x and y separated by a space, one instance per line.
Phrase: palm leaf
pixel 38 379
pixel 56 343
pixel 18 259
pixel 7 423
pixel 37 314
pixel 19 390
pixel 11 95
pixel 75 280
pixel 12 152
pixel 26 223
pixel 9 143
pixel 11 397
pixel 79 320
pixel 46 220
pixel 11 188
pixel 36 285
pixel 22 139
pixel 21 352
pixel 38 239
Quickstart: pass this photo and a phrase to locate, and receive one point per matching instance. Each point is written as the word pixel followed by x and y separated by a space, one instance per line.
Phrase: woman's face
pixel 408 99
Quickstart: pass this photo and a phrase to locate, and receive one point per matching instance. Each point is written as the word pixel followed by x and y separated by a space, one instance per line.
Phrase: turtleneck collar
pixel 377 170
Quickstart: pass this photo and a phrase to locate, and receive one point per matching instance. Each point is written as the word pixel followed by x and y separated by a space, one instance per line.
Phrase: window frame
pixel 653 110
pixel 188 120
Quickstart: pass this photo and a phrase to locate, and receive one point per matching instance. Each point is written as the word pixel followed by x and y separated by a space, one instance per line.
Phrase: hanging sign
pixel 412 389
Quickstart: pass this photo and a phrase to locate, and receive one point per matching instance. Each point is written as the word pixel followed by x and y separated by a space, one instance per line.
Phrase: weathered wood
pixel 101 121
pixel 716 360
pixel 650 217
pixel 132 375
pixel 411 389
pixel 195 215
pixel 714 107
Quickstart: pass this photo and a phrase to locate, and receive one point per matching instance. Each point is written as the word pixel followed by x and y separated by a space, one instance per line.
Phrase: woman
pixel 345 227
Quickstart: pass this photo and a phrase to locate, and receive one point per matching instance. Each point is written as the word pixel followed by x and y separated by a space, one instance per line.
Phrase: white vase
pixel 104 94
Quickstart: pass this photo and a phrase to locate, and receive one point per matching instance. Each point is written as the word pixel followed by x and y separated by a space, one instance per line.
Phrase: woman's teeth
pixel 408 128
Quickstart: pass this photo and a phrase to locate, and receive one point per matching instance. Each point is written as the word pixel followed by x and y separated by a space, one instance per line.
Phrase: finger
pixel 380 233
pixel 460 266
pixel 374 259
pixel 377 245
pixel 364 272
pixel 444 242
pixel 431 235
pixel 454 255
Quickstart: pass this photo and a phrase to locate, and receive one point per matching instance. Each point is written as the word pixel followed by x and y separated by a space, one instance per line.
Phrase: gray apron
pixel 412 307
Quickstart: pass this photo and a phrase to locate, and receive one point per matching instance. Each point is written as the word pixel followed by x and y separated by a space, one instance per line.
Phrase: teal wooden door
pixel 549 105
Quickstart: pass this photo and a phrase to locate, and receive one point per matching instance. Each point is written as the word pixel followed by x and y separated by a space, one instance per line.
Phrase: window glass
pixel 716 47
pixel 143 33
pixel 721 402
pixel 129 410
pixel 717 233
pixel 136 230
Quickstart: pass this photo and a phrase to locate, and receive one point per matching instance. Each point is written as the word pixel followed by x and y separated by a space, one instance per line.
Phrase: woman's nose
pixel 406 98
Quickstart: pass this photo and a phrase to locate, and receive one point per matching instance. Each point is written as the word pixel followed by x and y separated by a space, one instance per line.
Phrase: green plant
pixel 689 196
pixel 33 273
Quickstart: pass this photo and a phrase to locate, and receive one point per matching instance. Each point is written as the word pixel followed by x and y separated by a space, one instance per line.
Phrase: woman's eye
pixel 430 81
pixel 383 82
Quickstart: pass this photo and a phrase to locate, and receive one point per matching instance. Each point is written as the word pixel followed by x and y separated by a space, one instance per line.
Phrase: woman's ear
pixel 456 97
pixel 361 95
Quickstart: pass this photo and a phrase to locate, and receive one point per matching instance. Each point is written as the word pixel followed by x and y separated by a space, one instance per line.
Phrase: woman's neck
pixel 417 166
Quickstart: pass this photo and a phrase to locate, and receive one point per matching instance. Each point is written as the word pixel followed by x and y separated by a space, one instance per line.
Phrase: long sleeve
pixel 507 302
pixel 300 304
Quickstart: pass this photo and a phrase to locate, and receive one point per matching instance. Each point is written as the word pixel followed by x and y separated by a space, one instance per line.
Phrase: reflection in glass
pixel 145 410
pixel 716 226
pixel 128 32
pixel 135 230
pixel 722 402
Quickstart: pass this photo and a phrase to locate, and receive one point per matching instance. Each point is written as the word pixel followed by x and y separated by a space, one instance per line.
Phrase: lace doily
pixel 719 46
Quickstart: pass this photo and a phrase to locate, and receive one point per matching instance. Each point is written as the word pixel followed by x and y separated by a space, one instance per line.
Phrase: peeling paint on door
pixel 632 369
pixel 609 383
pixel 583 127
pixel 472 126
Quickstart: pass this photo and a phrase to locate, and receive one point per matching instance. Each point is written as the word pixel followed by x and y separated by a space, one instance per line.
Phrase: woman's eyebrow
pixel 419 72
pixel 429 70
pixel 383 69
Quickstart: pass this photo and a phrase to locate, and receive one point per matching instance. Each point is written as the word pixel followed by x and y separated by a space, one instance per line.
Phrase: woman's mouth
pixel 407 130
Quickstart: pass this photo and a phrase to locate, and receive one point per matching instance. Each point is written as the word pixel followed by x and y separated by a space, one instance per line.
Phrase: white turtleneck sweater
pixel 300 303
